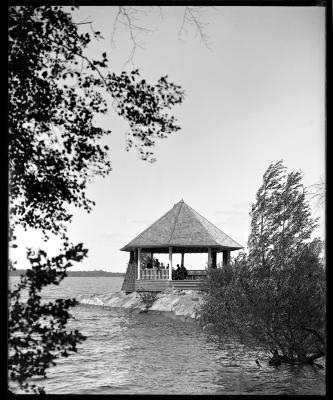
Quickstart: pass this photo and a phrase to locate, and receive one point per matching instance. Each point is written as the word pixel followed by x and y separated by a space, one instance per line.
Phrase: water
pixel 156 354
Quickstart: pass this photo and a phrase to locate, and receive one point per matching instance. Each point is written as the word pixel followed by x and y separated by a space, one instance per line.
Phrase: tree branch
pixel 190 16
pixel 127 17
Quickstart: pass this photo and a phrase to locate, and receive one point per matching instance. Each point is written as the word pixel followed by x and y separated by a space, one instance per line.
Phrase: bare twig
pixel 82 23
pixel 113 33
pixel 90 23
pixel 318 192
pixel 127 16
pixel 191 17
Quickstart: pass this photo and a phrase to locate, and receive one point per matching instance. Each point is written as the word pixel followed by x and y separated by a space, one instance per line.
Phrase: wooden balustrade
pixel 154 274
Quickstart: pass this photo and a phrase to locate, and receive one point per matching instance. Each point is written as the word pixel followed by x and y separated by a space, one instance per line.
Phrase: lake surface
pixel 156 354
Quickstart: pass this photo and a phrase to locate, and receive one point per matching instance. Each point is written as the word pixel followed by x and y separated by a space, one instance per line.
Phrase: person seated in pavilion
pixel 157 268
pixel 178 273
pixel 183 272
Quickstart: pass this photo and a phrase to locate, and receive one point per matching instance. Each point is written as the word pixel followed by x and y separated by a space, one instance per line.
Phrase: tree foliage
pixel 56 93
pixel 37 330
pixel 274 296
pixel 281 219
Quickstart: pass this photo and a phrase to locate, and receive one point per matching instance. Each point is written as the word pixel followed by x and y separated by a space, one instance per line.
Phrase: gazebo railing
pixel 193 274
pixel 154 274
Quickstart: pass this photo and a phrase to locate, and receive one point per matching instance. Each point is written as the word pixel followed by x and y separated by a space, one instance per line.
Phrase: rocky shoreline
pixel 184 304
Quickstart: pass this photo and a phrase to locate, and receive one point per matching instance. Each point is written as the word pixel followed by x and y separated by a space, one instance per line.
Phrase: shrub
pixel 148 298
pixel 274 296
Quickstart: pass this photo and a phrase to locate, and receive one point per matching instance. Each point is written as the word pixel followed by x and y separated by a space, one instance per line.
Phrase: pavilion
pixel 181 230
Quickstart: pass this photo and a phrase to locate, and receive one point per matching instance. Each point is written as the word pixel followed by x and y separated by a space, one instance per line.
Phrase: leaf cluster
pixel 55 94
pixel 37 329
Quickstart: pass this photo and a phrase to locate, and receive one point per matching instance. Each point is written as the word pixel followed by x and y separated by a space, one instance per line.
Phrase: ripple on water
pixel 151 354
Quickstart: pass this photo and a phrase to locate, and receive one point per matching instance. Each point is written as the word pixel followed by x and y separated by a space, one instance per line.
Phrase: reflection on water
pixel 150 353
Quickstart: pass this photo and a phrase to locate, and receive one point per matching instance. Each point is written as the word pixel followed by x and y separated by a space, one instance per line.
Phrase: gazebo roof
pixel 183 229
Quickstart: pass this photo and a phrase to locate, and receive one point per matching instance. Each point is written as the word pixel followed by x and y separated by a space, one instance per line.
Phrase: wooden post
pixel 214 259
pixel 132 257
pixel 226 257
pixel 139 263
pixel 170 263
pixel 151 258
pixel 209 257
pixel 182 262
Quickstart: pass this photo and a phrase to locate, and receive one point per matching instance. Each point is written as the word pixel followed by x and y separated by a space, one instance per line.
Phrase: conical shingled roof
pixel 185 228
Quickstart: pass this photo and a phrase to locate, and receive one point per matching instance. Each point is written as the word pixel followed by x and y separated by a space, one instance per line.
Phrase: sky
pixel 255 96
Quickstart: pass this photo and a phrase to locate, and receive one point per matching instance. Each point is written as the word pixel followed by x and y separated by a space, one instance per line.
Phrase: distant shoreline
pixel 95 273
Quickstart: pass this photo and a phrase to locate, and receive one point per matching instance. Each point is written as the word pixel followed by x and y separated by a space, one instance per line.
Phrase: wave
pixel 94 300
pixel 116 299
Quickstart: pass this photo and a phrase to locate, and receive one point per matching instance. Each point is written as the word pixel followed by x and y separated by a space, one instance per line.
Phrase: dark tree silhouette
pixel 55 150
pixel 37 330
pixel 274 297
